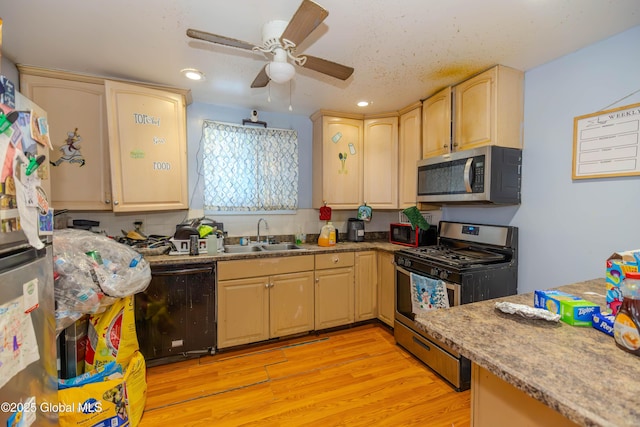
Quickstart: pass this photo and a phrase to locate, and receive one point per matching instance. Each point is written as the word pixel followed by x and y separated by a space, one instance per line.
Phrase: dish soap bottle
pixel 626 326
pixel 327 235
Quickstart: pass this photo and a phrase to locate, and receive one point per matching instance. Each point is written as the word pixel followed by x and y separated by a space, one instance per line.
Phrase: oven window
pixel 403 295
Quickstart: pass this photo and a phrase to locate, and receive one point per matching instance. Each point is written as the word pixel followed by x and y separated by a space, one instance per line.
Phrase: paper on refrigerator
pixel 19 347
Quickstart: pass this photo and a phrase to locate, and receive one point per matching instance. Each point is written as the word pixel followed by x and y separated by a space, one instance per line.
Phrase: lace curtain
pixel 249 169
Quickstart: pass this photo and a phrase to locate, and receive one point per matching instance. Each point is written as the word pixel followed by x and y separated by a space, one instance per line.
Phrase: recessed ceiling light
pixel 192 74
pixel 363 103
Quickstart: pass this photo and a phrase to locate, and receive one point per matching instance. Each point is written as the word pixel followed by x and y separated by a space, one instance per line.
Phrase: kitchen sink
pixel 280 247
pixel 239 249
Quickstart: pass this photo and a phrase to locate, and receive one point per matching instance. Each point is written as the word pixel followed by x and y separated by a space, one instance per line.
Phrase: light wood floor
pixel 356 377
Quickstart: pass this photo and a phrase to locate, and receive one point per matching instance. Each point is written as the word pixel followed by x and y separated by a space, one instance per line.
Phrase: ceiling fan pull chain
pixel 269 92
pixel 290 107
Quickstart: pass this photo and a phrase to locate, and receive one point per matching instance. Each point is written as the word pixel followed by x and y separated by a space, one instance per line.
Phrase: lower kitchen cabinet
pixel 243 311
pixel 366 286
pixel 291 304
pixel 278 301
pixel 386 287
pixel 334 290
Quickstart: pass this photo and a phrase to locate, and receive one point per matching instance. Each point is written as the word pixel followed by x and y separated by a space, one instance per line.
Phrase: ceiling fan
pixel 280 39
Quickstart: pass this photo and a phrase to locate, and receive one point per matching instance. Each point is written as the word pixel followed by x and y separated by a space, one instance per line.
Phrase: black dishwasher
pixel 176 314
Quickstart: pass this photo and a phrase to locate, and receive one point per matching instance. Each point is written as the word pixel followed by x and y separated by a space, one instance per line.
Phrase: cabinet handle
pixel 317 280
pixel 115 202
pixel 108 201
pixel 266 285
pixel 335 260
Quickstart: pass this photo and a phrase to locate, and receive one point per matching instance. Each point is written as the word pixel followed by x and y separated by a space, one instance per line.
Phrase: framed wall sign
pixel 607 143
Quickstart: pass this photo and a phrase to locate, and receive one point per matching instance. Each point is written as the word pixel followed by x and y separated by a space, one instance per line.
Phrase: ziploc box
pixel 618 264
pixel 573 310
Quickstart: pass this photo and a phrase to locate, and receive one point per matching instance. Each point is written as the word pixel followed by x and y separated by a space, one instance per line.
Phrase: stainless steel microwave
pixel 487 174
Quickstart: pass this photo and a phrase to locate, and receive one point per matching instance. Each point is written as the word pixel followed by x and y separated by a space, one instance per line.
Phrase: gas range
pixel 457 257
pixel 481 258
pixel 462 245
pixel 475 262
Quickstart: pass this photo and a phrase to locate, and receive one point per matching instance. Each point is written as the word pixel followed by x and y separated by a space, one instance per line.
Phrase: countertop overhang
pixel 577 371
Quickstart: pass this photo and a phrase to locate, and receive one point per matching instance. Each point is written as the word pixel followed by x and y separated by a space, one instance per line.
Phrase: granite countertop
pixel 307 249
pixel 578 371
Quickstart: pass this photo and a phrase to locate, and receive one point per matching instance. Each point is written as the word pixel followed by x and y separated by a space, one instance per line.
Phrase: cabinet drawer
pixel 338 259
pixel 259 266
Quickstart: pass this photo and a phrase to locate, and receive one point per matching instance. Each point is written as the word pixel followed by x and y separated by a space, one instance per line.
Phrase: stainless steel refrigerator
pixel 28 371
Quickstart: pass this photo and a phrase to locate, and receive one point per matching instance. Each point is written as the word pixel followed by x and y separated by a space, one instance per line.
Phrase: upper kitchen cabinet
pixel 148 148
pixel 409 152
pixel 78 126
pixel 436 124
pixel 126 147
pixel 489 109
pixel 338 160
pixel 381 162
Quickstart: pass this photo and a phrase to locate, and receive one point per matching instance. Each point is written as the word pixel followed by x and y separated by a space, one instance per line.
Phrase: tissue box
pixel 603 322
pixel 618 264
pixel 573 310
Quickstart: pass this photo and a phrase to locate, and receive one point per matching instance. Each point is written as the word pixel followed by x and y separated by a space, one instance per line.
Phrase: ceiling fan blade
pixel 329 68
pixel 308 16
pixel 214 38
pixel 261 79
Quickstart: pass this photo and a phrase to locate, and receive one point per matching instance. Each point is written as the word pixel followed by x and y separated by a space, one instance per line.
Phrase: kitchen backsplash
pixel 163 223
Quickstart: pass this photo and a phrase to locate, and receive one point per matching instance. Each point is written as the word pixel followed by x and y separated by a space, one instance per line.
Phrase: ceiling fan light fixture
pixel 363 103
pixel 280 72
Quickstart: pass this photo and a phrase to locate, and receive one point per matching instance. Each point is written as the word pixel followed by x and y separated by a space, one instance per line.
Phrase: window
pixel 249 169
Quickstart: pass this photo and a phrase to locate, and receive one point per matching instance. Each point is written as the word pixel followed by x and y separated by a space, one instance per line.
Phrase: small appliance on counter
pixel 402 233
pixel 355 230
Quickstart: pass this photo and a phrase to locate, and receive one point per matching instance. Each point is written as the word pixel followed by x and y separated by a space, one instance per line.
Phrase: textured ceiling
pixel 402 50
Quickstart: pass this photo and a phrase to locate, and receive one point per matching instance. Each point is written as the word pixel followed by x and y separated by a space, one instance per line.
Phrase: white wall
pixel 569 228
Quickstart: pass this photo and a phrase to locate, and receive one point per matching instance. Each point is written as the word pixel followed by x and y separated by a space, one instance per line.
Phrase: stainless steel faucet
pixel 266 226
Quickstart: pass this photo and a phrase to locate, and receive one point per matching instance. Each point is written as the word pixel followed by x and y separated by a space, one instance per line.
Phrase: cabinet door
pixel 436 124
pixel 340 172
pixel 334 297
pixel 475 111
pixel 291 304
pixel 409 152
pixel 386 287
pixel 366 286
pixel 148 148
pixel 78 125
pixel 381 162
pixel 243 311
